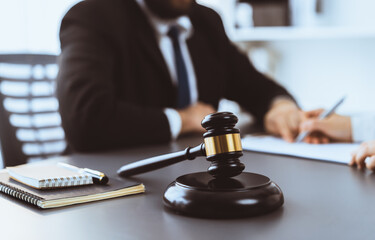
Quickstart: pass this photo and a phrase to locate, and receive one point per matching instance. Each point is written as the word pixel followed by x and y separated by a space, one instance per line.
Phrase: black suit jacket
pixel 113 82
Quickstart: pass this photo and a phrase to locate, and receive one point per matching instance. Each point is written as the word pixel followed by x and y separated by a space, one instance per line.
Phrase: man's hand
pixel 333 128
pixel 367 149
pixel 283 119
pixel 192 116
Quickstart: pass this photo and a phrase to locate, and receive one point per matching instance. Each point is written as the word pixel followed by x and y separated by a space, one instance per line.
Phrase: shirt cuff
pixel 175 122
pixel 363 128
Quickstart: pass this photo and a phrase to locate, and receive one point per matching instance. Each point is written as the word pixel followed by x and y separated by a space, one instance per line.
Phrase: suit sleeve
pixel 245 85
pixel 92 116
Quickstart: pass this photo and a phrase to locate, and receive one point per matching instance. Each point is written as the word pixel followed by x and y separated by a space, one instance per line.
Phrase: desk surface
pixel 322 201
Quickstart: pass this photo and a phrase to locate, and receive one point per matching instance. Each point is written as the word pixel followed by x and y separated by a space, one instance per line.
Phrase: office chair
pixel 30 125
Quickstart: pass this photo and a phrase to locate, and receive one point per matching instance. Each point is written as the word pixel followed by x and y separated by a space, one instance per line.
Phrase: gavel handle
pixel 161 161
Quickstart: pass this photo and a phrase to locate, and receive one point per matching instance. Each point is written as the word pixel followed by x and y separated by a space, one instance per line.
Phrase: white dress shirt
pixel 363 127
pixel 161 28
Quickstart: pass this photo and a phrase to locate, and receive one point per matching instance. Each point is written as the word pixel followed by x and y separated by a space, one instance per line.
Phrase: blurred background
pixel 319 50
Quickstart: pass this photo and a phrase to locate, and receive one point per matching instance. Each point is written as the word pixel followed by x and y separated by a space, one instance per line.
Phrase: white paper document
pixel 333 152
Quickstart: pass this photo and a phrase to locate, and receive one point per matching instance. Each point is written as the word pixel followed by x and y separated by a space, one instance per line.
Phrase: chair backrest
pixel 30 125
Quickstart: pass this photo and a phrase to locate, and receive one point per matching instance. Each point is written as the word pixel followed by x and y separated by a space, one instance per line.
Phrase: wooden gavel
pixel 221 146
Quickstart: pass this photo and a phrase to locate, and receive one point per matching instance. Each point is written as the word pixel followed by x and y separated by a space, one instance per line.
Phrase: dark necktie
pixel 184 99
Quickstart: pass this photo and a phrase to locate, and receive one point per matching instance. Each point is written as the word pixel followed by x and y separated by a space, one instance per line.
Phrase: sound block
pixel 201 195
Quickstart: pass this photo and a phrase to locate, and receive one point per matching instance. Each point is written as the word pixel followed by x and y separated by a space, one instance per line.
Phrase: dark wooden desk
pixel 322 201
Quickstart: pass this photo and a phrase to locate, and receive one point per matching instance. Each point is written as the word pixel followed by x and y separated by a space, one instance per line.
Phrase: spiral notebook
pixel 42 176
pixel 59 197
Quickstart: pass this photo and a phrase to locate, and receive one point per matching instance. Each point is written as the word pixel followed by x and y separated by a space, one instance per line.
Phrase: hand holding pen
pixel 326 126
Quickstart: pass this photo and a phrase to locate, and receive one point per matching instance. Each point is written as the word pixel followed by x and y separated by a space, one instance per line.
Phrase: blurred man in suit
pixel 146 71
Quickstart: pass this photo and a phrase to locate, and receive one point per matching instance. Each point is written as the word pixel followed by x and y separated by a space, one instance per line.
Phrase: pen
pixel 324 115
pixel 97 177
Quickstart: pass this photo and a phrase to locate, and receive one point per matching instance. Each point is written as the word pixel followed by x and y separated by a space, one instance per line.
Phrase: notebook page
pixel 49 175
pixel 41 172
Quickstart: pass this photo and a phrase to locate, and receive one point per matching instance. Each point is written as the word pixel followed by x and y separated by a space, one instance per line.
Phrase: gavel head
pixel 223 145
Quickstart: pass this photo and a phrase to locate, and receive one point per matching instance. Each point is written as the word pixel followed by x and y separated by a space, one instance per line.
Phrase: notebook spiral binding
pixel 17 193
pixel 66 181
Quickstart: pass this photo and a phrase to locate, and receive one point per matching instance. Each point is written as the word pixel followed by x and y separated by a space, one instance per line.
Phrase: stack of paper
pixel 333 152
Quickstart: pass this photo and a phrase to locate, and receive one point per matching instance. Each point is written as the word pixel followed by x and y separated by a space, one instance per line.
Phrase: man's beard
pixel 165 10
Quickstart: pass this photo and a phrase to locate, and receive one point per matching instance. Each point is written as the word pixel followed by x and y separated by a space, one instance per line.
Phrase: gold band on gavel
pixel 223 144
